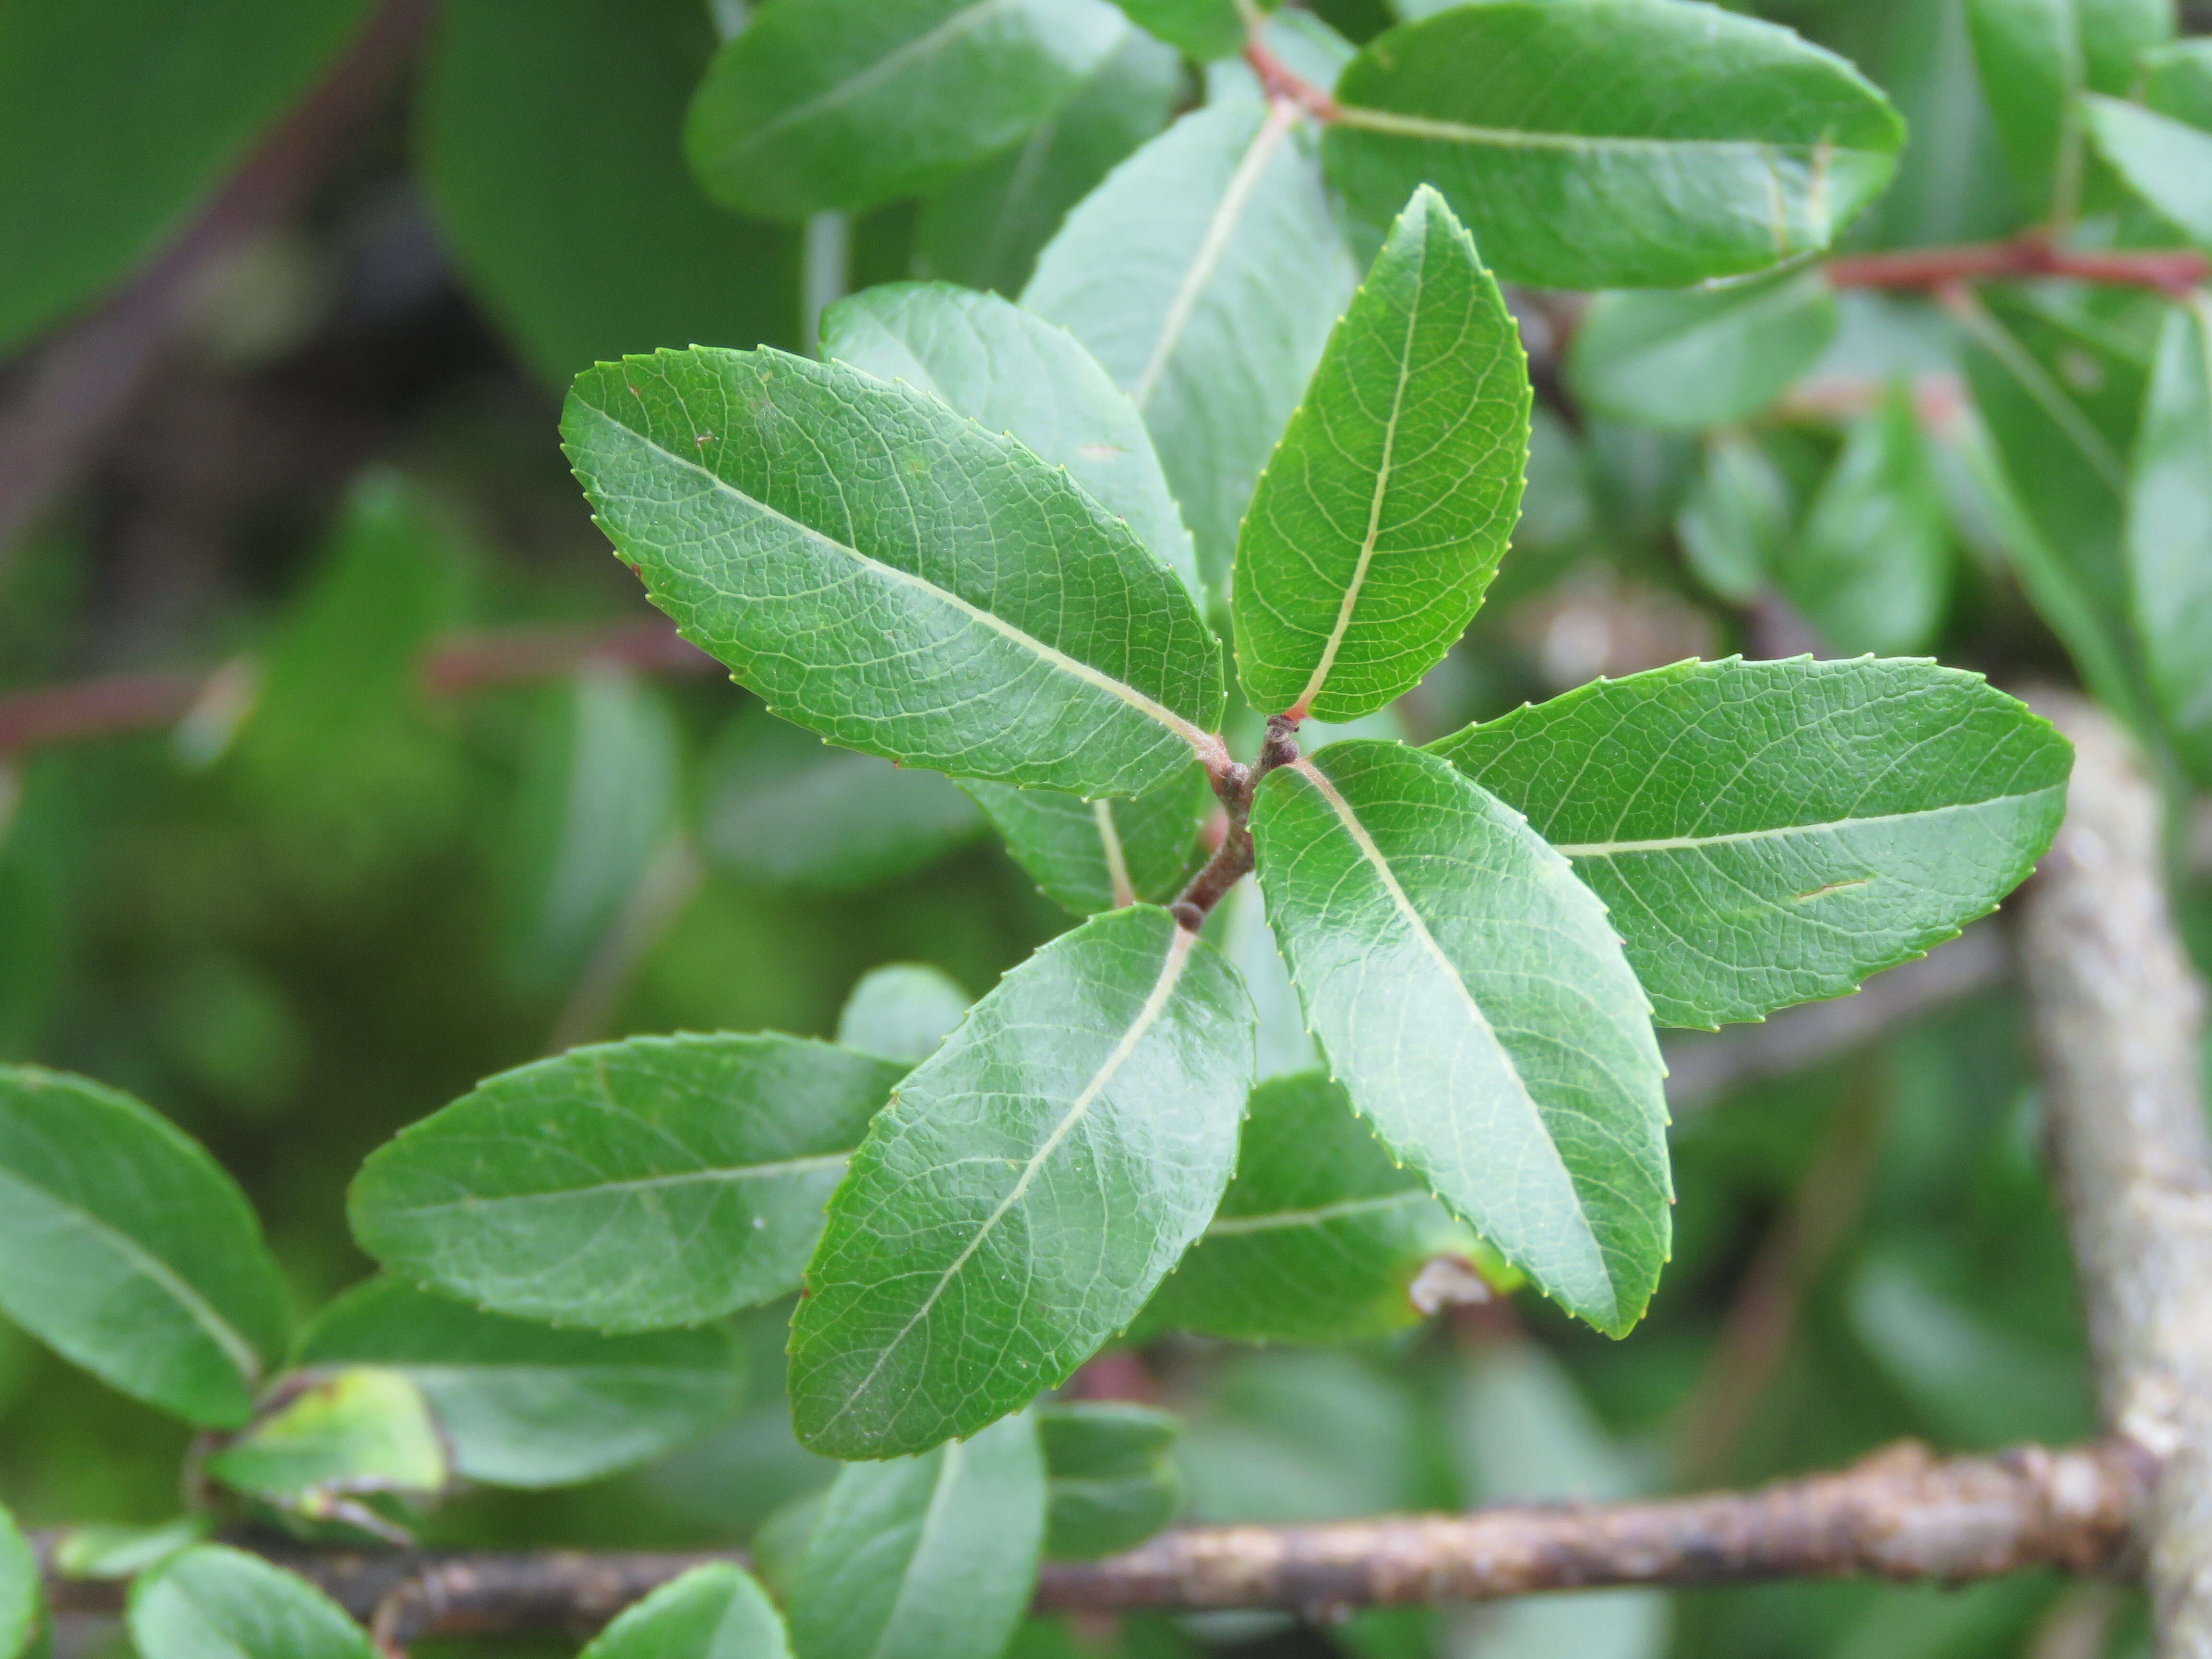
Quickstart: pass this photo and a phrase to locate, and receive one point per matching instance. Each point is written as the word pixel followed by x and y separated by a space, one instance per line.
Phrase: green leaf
pixel 2037 58
pixel 1015 372
pixel 713 1611
pixel 1171 274
pixel 1735 524
pixel 116 124
pixel 1203 29
pixel 1113 1483
pixel 526 1405
pixel 985 228
pixel 214 1602
pixel 19 1588
pixel 1614 144
pixel 2170 529
pixel 1320 1236
pixel 1089 856
pixel 2176 80
pixel 1474 1004
pixel 356 1431
pixel 838 104
pixel 1384 511
pixel 782 810
pixel 1028 1185
pixel 925 1556
pixel 548 143
pixel 105 1550
pixel 1872 569
pixel 937 595
pixel 655 1182
pixel 130 1251
pixel 902 1011
pixel 596 801
pixel 1767 833
pixel 1700 357
pixel 2166 162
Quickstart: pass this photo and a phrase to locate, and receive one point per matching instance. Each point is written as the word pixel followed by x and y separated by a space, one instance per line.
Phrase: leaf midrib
pixel 1392 123
pixel 729 1173
pixel 1209 749
pixel 1319 1215
pixel 1599 849
pixel 232 1342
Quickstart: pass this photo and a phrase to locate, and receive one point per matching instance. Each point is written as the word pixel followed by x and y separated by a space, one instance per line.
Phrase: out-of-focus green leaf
pixel 1089 856
pixel 105 1550
pixel 1385 510
pixel 357 1431
pixel 130 1252
pixel 550 144
pixel 526 1405
pixel 783 810
pixel 780 1545
pixel 936 595
pixel 1871 570
pixel 902 1011
pixel 713 1611
pixel 1301 1436
pixel 1734 523
pixel 1951 184
pixel 2166 162
pixel 19 1588
pixel 1766 833
pixel 598 801
pixel 1475 1005
pixel 116 123
pixel 1017 373
pixel 1113 1483
pixel 1029 1184
pixel 925 1557
pixel 2037 58
pixel 2176 80
pixel 1204 29
pixel 1171 273
pixel 655 1182
pixel 1700 357
pixel 1285 1044
pixel 827 106
pixel 214 1602
pixel 1320 1238
pixel 1614 144
pixel 2170 530
pixel 42 847
pixel 985 228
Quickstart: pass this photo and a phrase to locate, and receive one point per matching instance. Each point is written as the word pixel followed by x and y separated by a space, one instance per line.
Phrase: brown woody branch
pixel 1899 1515
pixel 1934 268
pixel 118 703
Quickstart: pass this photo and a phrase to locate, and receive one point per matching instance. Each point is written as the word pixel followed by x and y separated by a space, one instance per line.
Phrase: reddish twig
pixel 118 703
pixel 82 383
pixel 1284 84
pixel 2174 273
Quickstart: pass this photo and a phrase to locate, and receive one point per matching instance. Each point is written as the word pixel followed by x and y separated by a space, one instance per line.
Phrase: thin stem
pixel 1232 861
pixel 2171 272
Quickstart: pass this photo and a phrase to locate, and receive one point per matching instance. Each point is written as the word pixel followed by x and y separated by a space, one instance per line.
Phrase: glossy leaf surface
pixel 1766 833
pixel 986 227
pixel 1701 357
pixel 1871 570
pixel 524 1404
pixel 1089 856
pixel 1320 1237
pixel 2170 529
pixel 935 595
pixel 2166 162
pixel 550 145
pixel 1014 373
pixel 116 123
pixel 655 1182
pixel 1474 1004
pixel 924 1557
pixel 902 1011
pixel 1170 272
pixel 1113 1483
pixel 836 105
pixel 1384 511
pixel 1028 1185
pixel 130 1252
pixel 1613 143
pixel 214 1602
pixel 713 1611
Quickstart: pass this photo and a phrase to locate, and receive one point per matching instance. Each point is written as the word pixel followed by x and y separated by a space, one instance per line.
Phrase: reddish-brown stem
pixel 1233 860
pixel 1284 84
pixel 1936 267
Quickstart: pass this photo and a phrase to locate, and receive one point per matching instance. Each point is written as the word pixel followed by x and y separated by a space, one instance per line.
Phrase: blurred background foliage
pixel 327 902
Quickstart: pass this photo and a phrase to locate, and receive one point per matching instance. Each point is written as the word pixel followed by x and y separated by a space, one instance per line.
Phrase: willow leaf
pixel 715 1611
pixel 2170 529
pixel 216 1602
pixel 1091 855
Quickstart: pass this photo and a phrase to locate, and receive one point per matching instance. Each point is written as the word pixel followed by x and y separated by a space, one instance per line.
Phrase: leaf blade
pixel 1510 1020
pixel 1700 357
pixel 1089 856
pixel 718 1611
pixel 2170 529
pixel 1124 1127
pixel 216 1602
pixel 1385 508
